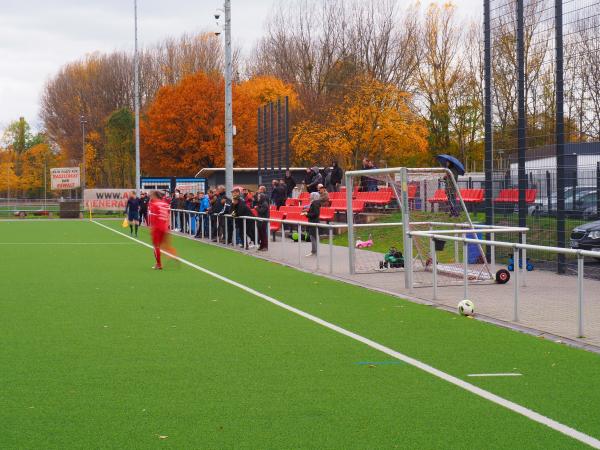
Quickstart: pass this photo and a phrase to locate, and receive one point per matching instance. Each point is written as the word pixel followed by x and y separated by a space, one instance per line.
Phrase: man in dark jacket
pixel 262 208
pixel 316 180
pixel 290 183
pixel 240 209
pixel 313 213
pixel 144 200
pixel 277 194
pixel 368 184
pixel 335 178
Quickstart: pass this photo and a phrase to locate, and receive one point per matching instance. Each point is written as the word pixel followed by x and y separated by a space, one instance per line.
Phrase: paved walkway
pixel 548 302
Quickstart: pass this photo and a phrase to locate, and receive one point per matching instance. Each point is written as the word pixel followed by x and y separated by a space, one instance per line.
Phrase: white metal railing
pixel 519 259
pixel 206 229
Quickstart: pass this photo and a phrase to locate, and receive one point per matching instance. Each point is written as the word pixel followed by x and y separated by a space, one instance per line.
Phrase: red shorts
pixel 159 236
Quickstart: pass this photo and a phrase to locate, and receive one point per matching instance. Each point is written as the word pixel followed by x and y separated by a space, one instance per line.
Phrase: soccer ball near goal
pixel 466 308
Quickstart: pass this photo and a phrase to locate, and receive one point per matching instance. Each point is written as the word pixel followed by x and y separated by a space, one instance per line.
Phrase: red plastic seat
pixel 304 197
pixel 412 191
pixel 438 197
pixel 292 202
pixel 339 205
pixel 472 195
pixel 327 214
pixel 530 195
pixel 507 196
pixel 296 217
pixel 276 226
pixel 291 209
pixel 337 195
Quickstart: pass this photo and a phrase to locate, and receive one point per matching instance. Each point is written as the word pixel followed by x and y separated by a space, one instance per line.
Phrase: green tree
pixel 120 148
pixel 19 138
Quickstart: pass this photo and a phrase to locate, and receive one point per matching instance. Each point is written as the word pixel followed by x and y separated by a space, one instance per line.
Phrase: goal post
pixel 424 199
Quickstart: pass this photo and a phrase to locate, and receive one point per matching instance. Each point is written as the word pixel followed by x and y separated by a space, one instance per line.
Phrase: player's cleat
pixel 157 267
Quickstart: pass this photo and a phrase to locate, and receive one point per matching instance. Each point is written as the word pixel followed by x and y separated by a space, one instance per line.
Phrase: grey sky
pixel 38 36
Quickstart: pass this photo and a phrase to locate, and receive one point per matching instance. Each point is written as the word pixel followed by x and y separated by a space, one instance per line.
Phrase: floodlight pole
pixel 136 95
pixel 83 122
pixel 228 101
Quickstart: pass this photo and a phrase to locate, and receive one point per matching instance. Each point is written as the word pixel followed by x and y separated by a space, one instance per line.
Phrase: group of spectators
pixel 330 178
pixel 216 204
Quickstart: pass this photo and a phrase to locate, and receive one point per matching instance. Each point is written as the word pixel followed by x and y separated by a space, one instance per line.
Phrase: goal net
pixel 389 204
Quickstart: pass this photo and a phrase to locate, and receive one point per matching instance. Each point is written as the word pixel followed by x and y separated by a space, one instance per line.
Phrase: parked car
pixel 585 204
pixel 587 237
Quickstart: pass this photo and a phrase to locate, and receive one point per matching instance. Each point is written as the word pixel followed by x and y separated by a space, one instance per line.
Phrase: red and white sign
pixel 106 199
pixel 65 178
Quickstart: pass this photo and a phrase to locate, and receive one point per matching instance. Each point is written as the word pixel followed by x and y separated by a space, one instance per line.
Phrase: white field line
pixel 515 407
pixel 65 243
pixel 508 374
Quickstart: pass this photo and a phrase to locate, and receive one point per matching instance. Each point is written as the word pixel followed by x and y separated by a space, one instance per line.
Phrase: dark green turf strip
pixel 98 351
pixel 560 382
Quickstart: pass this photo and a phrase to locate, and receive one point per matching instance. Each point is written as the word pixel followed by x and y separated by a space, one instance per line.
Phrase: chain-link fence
pixel 542 60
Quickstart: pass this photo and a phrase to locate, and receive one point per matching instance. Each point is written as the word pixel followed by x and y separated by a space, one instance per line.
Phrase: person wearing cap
pixel 324 196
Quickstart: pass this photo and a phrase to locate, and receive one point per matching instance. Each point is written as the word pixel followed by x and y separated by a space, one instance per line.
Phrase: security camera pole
pixel 228 101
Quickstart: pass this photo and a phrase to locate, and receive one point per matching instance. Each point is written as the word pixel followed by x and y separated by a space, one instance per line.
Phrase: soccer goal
pixel 386 206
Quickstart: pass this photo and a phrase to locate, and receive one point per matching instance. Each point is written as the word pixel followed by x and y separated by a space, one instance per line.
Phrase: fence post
pixel 350 222
pixel 549 191
pixel 580 277
pixel 456 258
pixel 523 260
pixel 234 234
pixel 493 252
pixel 256 232
pixel 560 134
pixel 598 188
pixel 226 230
pixel 318 238
pixel 466 270
pixel 245 240
pixel 516 285
pixel 202 224
pixel 282 241
pixel 408 257
pixel 330 249
pixel 217 230
pixel 434 267
pixel 210 228
pixel 299 245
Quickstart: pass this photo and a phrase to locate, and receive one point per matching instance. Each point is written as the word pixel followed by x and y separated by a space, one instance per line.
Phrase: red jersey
pixel 159 214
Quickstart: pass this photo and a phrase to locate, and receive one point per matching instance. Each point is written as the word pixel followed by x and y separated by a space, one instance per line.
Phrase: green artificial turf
pixel 99 351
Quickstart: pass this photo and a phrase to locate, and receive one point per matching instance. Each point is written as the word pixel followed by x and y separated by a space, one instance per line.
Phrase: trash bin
pixel 473 250
pixel 69 209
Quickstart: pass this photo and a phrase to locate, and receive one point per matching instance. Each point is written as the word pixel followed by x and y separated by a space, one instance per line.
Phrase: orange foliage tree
pixel 183 129
pixel 38 159
pixel 374 120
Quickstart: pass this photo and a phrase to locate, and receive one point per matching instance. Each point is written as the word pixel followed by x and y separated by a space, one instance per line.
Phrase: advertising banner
pixel 106 199
pixel 64 178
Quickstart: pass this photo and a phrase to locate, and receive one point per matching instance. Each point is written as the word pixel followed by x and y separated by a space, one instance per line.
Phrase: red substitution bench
pixel 438 197
pixel 512 196
pixel 472 195
pixel 340 205
pixel 375 198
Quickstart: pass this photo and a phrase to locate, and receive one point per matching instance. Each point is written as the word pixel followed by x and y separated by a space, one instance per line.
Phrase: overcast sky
pixel 39 36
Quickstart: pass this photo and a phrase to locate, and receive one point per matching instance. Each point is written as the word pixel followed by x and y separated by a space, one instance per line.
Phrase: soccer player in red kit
pixel 159 224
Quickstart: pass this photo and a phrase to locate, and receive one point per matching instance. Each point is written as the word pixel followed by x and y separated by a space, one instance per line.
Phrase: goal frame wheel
pixel 502 276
